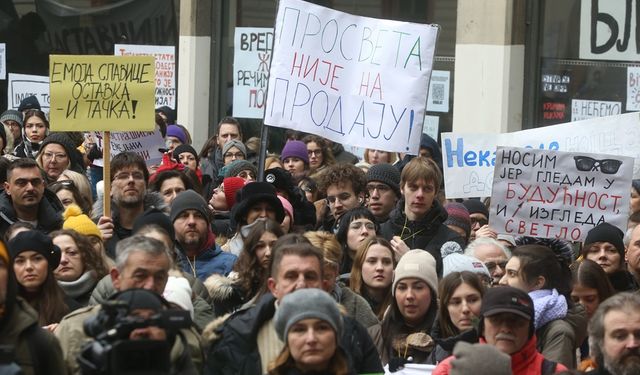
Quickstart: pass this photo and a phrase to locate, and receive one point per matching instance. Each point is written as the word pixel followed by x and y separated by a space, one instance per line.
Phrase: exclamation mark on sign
pixel 410 127
pixel 134 104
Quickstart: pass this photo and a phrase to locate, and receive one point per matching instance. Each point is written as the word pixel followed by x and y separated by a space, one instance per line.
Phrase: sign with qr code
pixel 439 92
pixel 355 80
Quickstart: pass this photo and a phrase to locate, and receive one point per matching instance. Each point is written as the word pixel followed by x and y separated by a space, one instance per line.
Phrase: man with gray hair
pixel 492 253
pixel 141 262
pixel 614 337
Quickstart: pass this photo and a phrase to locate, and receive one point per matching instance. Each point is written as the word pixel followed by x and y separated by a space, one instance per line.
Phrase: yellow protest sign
pixel 105 93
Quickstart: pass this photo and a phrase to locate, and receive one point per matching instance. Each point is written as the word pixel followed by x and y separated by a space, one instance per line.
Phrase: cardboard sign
pixel 554 194
pixel 21 86
pixel 608 30
pixel 102 93
pixel 469 159
pixel 355 80
pixel 251 59
pixel 165 58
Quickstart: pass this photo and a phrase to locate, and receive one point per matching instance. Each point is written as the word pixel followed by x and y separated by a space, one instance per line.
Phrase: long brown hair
pixel 251 275
pixel 355 279
pixel 48 301
pixel 446 289
pixel 91 260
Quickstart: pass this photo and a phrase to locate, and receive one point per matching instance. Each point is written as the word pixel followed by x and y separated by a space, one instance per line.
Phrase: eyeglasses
pixel 356 225
pixel 237 155
pixel 50 155
pixel 491 266
pixel 341 197
pixel 606 166
pixel 127 175
pixel 382 188
pixel 480 221
pixel 23 182
pixel 65 183
pixel 317 152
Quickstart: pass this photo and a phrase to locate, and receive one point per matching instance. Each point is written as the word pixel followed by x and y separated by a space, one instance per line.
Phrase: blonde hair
pixel 421 168
pixel 81 182
pixel 392 155
pixel 328 244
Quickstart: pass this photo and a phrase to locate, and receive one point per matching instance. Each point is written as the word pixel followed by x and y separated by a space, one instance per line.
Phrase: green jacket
pixel 34 348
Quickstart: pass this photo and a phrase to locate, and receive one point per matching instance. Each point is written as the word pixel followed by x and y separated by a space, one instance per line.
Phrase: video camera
pixel 112 352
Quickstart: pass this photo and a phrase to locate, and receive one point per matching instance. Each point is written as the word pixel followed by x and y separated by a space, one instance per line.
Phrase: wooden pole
pixel 106 172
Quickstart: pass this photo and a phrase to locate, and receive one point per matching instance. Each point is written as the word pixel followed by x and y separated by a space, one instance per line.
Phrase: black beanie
pixel 189 200
pixel 33 240
pixel 156 217
pixel 184 148
pixel 385 173
pixel 140 299
pixel 63 140
pixel 476 207
pixel 606 232
pixel 30 102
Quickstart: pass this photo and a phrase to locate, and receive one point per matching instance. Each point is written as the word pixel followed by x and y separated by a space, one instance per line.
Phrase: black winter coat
pixel 49 212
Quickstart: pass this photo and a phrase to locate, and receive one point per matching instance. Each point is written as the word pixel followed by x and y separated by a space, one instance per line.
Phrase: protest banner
pixel 607 30
pixel 355 80
pixel 165 58
pixel 21 86
pixel 553 194
pixel 633 88
pixel 251 59
pixel 582 109
pixel 102 93
pixel 145 144
pixel 469 159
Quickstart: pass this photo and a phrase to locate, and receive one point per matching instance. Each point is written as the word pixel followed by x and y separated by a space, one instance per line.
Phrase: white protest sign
pixel 585 109
pixel 554 194
pixel 165 57
pixel 3 61
pixel 251 58
pixel 608 30
pixel 411 369
pixel 355 80
pixel 21 86
pixel 633 88
pixel 430 126
pixel 145 144
pixel 469 159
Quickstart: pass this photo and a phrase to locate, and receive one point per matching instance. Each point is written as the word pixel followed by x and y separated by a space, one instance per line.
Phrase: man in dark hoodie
pixel 417 222
pixel 25 198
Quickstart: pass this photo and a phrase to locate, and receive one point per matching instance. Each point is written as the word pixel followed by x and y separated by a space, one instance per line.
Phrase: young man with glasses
pixel 129 199
pixel 345 188
pixel 25 199
pixel 383 185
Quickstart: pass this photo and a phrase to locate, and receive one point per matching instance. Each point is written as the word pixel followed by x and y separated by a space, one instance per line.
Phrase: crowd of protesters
pixel 326 265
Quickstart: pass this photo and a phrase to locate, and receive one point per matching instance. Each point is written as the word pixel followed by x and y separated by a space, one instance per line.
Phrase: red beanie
pixel 231 186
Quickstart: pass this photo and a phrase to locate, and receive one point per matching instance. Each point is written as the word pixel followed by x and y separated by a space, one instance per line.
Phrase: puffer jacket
pixel 559 339
pixel 49 212
pixel 429 233
pixel 20 330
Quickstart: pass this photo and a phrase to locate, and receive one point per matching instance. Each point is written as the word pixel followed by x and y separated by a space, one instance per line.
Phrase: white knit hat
pixel 453 260
pixel 419 264
pixel 178 291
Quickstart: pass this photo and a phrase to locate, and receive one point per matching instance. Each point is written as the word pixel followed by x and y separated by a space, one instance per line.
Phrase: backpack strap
pixel 548 367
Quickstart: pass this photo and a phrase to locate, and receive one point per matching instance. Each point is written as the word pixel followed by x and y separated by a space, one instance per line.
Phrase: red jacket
pixel 528 361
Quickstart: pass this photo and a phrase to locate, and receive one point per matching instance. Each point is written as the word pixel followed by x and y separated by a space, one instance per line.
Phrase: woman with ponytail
pixel 559 323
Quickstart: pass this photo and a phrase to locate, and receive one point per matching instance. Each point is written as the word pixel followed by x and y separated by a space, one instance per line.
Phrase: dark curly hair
pixel 343 173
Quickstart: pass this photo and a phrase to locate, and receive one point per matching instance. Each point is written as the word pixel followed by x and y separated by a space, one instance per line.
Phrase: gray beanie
pixel 11 114
pixel 234 143
pixel 189 200
pixel 308 303
pixel 385 173
pixel 418 264
pixel 238 166
pixel 453 260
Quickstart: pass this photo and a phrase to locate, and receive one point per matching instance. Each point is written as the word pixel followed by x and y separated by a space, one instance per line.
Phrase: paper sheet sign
pixel 553 194
pixel 355 80
pixel 106 93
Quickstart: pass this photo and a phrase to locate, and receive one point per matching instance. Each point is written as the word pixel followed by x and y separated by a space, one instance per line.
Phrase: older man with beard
pixel 614 335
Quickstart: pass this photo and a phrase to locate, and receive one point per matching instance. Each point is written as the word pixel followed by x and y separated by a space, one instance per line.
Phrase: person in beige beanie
pixel 404 333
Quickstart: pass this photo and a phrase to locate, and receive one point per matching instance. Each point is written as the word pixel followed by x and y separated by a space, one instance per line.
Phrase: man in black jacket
pixel 417 222
pixel 25 199
pixel 247 341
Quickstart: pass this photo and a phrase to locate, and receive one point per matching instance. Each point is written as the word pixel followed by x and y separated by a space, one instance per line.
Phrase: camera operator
pixel 141 262
pixel 25 347
pixel 137 331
